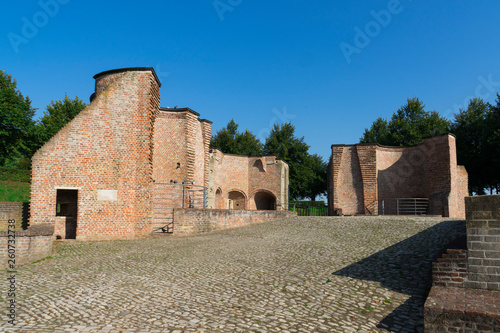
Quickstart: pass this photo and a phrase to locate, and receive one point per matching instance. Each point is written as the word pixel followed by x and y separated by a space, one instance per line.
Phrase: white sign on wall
pixel 107 195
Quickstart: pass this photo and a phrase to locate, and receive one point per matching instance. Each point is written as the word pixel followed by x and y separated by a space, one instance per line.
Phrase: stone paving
pixel 304 274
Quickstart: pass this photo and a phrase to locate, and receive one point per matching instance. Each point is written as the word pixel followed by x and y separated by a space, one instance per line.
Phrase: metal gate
pixel 404 206
pixel 170 196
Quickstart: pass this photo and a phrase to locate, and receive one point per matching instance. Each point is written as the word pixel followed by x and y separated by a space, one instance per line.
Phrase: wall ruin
pixel 367 178
pixel 121 166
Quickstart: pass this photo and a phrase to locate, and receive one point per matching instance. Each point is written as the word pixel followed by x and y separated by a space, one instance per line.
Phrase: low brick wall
pixel 18 211
pixel 189 221
pixel 459 310
pixel 451 269
pixel 30 245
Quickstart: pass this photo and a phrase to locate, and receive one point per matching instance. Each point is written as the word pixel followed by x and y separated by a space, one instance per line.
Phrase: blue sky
pixel 329 67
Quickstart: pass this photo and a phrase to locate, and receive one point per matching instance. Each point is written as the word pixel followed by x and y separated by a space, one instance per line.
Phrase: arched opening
pixel 219 201
pixel 259 165
pixel 265 201
pixel 236 200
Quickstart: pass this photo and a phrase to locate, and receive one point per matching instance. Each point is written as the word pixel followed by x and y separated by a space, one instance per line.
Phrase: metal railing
pixel 404 206
pixel 309 210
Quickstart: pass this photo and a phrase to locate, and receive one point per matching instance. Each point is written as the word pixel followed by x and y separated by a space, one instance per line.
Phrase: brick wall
pixel 181 144
pixel 106 147
pixel 428 170
pixel 465 296
pixel 451 269
pixel 349 184
pixel 232 174
pixel 367 156
pixel 402 172
pixel 483 242
pixel 191 221
pixel 18 211
pixel 30 245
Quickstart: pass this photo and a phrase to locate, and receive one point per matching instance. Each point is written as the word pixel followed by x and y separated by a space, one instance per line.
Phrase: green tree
pixel 306 171
pixel 317 181
pixel 470 131
pixel 408 126
pixel 56 116
pixel 493 145
pixel 16 122
pixel 230 141
pixel 378 132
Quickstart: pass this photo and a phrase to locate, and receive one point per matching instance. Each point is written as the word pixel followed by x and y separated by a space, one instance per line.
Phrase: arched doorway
pixel 264 201
pixel 236 200
pixel 219 200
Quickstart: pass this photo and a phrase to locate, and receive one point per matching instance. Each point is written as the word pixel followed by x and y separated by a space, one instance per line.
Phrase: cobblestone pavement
pixel 304 274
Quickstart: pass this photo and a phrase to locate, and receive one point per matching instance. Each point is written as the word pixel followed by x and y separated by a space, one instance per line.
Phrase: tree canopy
pixel 230 141
pixel 477 130
pixel 307 172
pixel 56 116
pixel 16 122
pixel 409 125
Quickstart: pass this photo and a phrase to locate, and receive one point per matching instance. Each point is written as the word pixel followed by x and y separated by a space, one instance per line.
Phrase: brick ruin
pixel 374 179
pixel 123 164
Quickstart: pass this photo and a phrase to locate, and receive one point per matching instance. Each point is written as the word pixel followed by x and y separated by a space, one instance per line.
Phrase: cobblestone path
pixel 305 274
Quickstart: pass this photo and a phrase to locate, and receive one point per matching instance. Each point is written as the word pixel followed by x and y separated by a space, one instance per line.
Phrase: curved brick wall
pixel 428 170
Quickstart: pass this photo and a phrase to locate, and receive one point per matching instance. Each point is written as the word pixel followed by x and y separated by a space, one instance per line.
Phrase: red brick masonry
pixel 189 221
pixel 451 269
pixel 363 178
pixel 450 309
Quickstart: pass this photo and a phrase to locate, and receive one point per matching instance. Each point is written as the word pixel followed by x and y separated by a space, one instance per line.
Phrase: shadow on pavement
pixel 406 268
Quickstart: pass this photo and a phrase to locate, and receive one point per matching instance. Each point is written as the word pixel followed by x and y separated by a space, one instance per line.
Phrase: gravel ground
pixel 304 274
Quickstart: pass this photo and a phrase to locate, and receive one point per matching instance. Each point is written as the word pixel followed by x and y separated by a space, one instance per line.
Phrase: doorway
pixel 67 206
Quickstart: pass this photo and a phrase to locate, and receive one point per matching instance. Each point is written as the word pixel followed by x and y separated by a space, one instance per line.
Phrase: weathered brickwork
pixel 252 183
pixel 105 154
pixel 428 170
pixel 483 242
pixel 459 310
pixel 190 221
pixel 181 144
pixel 451 269
pixel 107 173
pixel 19 211
pixel 30 245
pixel 465 296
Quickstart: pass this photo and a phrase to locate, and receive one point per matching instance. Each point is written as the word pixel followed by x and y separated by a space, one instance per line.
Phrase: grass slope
pixel 12 191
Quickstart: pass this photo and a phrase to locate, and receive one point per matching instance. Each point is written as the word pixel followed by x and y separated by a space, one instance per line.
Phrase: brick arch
pixel 219 199
pixel 264 200
pixel 237 198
